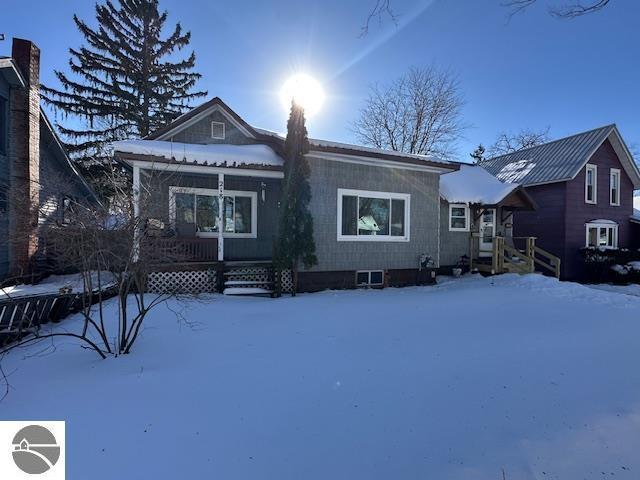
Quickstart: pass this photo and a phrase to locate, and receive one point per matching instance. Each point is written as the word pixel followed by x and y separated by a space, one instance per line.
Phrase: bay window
pixel 614 187
pixel 373 216
pixel 199 207
pixel 591 184
pixel 602 234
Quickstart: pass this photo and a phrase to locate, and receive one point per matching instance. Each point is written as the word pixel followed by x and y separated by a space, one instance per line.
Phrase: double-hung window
pixel 458 217
pixel 373 216
pixel 200 207
pixel 614 187
pixel 603 234
pixel 591 184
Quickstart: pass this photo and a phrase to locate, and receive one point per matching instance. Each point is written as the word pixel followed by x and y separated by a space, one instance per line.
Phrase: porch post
pixel 221 217
pixel 136 213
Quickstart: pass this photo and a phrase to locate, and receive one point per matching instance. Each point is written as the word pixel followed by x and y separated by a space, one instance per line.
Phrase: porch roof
pixel 473 184
pixel 216 155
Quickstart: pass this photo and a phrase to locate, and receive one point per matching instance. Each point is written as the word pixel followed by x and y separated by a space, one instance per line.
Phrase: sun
pixel 305 90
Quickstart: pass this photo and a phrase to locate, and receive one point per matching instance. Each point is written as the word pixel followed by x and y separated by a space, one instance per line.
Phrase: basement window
pixel 369 278
pixel 217 130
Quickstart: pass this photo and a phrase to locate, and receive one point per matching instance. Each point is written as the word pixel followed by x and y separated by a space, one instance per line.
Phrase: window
pixel 369 278
pixel 614 187
pixel 602 234
pixel 458 217
pixel 199 207
pixel 591 184
pixel 4 125
pixel 373 216
pixel 217 130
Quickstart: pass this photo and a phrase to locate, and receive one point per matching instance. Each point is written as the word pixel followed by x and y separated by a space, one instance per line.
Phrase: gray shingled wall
pixel 328 176
pixel 200 132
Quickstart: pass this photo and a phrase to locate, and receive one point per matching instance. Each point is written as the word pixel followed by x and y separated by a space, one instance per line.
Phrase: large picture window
pixel 603 234
pixel 199 207
pixel 373 216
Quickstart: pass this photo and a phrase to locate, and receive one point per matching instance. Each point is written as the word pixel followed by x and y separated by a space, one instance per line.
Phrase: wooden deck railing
pixel 505 258
pixel 170 250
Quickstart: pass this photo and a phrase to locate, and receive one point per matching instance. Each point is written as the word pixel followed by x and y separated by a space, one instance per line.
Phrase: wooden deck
pixel 506 258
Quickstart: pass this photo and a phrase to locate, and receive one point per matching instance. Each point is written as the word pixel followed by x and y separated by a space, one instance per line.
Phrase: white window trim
pixel 369 284
pixel 224 130
pixel 467 214
pixel 594 169
pixel 342 192
pixel 214 193
pixel 614 172
pixel 599 226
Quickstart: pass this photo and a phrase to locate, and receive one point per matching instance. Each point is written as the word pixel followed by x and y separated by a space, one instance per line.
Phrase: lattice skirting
pixel 193 281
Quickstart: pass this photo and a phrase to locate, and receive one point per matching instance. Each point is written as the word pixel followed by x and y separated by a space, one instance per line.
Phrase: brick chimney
pixel 24 157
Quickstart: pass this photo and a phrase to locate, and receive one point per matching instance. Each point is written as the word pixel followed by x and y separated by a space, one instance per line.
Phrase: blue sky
pixel 533 71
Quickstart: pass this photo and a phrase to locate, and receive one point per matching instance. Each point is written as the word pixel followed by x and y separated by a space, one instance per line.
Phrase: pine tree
pixel 295 242
pixel 478 154
pixel 126 81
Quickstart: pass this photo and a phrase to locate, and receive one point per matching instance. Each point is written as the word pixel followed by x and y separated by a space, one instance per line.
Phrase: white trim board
pixel 377 162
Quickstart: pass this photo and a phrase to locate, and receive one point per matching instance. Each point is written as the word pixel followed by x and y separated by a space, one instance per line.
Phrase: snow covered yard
pixel 457 381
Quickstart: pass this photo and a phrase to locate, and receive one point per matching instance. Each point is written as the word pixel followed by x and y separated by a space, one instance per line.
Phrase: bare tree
pixel 112 251
pixel 571 9
pixel 419 113
pixel 508 142
pixel 381 10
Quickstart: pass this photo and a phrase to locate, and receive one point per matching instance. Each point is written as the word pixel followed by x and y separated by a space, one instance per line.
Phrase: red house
pixel 583 186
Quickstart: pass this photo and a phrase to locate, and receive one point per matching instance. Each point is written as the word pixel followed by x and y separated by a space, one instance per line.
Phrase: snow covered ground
pixel 54 283
pixel 459 381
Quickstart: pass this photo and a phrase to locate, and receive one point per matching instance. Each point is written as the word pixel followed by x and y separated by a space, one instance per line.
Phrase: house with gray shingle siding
pixel 583 187
pixel 380 217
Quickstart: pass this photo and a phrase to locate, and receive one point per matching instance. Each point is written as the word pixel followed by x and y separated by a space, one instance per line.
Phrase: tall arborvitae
pixel 125 81
pixel 295 242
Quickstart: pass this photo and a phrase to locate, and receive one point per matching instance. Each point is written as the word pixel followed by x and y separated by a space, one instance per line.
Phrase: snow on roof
pixel 213 154
pixel 473 184
pixel 315 142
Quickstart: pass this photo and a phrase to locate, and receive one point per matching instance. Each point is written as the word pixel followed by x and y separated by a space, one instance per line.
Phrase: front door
pixel 487 232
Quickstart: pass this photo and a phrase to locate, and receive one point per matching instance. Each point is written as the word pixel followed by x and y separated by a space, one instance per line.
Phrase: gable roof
pixel 10 71
pixel 560 160
pixel 276 140
pixel 198 113
pixel 64 157
pixel 472 184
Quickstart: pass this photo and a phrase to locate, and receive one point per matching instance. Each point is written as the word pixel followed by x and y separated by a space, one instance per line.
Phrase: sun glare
pixel 305 90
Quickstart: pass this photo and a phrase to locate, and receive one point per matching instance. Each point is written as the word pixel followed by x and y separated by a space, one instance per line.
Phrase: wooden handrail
pixel 554 262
